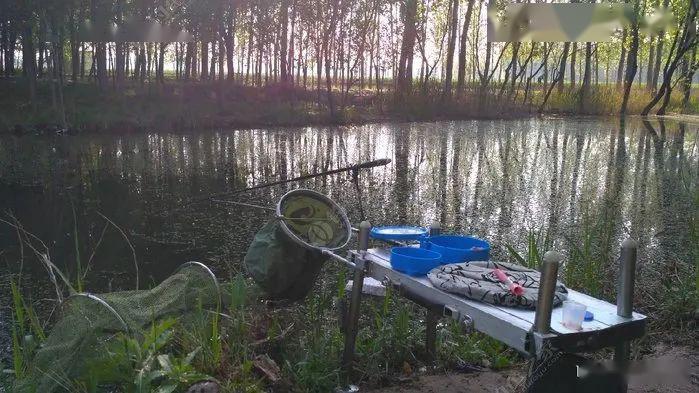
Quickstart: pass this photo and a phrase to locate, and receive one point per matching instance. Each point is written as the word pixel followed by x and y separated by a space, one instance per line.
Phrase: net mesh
pixel 314 219
pixel 89 324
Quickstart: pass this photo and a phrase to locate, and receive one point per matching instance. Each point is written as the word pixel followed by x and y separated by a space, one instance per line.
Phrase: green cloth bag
pixel 283 269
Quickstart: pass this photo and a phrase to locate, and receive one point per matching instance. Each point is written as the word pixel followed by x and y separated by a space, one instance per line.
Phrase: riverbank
pixel 177 105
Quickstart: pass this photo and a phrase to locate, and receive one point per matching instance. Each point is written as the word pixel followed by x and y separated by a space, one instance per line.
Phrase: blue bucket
pixel 456 248
pixel 414 261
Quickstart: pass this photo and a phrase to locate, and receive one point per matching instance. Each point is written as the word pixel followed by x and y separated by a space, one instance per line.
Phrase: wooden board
pixel 512 326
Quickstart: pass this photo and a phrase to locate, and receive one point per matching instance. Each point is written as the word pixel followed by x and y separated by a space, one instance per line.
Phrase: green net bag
pixel 286 255
pixel 90 323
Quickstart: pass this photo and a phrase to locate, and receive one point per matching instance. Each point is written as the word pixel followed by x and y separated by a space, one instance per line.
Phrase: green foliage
pixel 532 258
pixel 26 332
pixel 456 348
pixel 314 362
pixel 583 268
pixel 141 365
pixel 201 332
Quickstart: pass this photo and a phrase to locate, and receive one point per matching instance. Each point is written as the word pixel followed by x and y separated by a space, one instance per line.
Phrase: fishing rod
pixel 356 167
pixel 353 168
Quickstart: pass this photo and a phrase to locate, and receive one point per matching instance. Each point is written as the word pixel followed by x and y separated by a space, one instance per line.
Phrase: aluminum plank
pixel 497 318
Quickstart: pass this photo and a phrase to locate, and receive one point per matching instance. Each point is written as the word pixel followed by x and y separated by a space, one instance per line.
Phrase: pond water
pixel 564 183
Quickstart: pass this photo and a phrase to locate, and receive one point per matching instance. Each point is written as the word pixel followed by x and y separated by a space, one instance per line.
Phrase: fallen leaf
pixel 268 367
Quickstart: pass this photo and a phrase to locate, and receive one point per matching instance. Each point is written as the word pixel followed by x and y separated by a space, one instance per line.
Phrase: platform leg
pixel 431 337
pixel 624 299
pixel 355 302
pixel 547 289
pixel 544 366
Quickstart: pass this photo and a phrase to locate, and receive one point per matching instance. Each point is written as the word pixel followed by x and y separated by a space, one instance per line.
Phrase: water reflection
pixel 496 179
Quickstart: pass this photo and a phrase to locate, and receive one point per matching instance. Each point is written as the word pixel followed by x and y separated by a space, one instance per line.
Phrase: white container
pixel 573 314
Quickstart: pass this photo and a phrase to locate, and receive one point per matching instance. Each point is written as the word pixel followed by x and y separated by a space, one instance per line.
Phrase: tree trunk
pixel 405 71
pixel 632 61
pixel 622 59
pixel 11 33
pixel 189 48
pixel 3 45
pixel 573 55
pixel 683 41
pixel 101 65
pixel 562 67
pixel 651 62
pixel 82 60
pixel 691 65
pixel 212 66
pixel 74 48
pixel 327 36
pixel 29 65
pixel 658 54
pixel 283 50
pixel 587 77
pixel 451 45
pixel 204 60
pixel 230 40
pixel 462 47
pixel 161 63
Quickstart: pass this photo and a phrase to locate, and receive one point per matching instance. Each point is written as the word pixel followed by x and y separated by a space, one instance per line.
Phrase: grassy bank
pixel 249 345
pixel 180 106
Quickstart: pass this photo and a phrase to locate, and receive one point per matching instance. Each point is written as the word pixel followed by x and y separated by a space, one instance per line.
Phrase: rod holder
pixel 431 336
pixel 627 278
pixel 363 237
pixel 435 229
pixel 355 300
pixel 547 287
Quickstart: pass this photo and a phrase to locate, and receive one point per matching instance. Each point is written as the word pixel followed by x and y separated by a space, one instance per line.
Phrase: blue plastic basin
pixel 456 248
pixel 414 261
pixel 401 233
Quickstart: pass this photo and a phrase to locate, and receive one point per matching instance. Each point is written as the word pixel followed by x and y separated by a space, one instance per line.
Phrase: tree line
pixel 340 47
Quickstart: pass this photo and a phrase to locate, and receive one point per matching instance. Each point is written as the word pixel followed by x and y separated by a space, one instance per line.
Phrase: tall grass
pixel 182 105
pixel 26 331
pixel 532 257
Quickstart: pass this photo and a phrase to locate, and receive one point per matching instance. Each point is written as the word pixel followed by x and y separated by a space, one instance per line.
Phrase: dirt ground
pixel 667 369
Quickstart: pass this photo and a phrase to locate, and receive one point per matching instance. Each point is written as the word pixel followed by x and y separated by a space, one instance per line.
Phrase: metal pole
pixel 432 317
pixel 547 288
pixel 624 298
pixel 355 300
pixel 431 336
pixel 627 275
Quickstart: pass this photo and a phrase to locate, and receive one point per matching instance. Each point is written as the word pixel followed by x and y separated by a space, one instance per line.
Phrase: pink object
pixel 515 288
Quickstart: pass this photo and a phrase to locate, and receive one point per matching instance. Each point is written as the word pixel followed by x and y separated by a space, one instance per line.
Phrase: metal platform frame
pixel 535 334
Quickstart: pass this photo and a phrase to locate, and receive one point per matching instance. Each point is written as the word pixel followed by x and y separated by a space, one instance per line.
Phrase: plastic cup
pixel 573 314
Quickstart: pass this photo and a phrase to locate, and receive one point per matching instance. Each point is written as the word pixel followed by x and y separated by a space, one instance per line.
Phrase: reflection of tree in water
pixel 676 189
pixel 457 182
pixel 400 189
pixel 478 183
pixel 506 190
pixel 442 183
pixel 579 144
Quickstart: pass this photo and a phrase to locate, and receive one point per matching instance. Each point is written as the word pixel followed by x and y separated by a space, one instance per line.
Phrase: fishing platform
pixel 534 333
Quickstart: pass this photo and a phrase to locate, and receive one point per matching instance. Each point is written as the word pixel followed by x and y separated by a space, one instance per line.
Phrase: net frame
pixel 318 196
